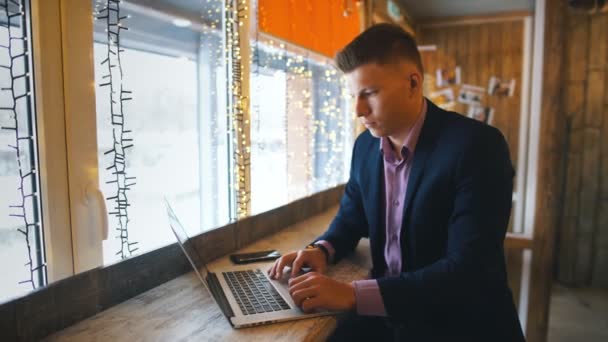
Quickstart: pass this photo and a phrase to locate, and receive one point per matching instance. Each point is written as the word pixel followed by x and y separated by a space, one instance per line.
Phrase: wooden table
pixel 182 310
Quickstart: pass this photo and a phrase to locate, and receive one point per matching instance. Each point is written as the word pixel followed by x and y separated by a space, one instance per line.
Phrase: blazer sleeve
pixel 483 185
pixel 350 224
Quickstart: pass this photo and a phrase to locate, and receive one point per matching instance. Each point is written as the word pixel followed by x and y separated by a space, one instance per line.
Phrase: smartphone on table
pixel 246 258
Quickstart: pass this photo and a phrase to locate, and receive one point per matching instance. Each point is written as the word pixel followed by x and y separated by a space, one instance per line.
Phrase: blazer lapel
pixel 424 148
pixel 376 214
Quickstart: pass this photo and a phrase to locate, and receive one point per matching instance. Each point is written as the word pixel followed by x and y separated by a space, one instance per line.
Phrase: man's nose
pixel 361 107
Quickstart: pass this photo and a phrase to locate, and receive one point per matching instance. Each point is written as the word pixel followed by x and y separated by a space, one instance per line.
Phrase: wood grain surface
pixel 182 310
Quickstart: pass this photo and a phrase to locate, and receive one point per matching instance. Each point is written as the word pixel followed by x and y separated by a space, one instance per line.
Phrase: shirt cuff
pixel 368 298
pixel 329 248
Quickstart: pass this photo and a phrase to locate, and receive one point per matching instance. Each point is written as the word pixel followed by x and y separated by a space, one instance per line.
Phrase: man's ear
pixel 415 81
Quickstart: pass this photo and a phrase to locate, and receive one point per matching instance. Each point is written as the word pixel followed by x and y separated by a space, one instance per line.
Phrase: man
pixel 432 191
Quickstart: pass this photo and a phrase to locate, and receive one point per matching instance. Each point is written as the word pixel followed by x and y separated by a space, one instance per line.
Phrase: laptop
pixel 246 296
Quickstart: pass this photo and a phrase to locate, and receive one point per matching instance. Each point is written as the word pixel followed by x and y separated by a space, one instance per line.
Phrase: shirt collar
pixel 411 140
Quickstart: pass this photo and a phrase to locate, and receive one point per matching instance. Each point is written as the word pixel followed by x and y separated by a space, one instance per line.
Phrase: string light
pixel 316 91
pixel 236 13
pixel 113 79
pixel 25 155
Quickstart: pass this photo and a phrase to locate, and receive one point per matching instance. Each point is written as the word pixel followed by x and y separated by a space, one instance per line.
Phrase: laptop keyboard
pixel 253 292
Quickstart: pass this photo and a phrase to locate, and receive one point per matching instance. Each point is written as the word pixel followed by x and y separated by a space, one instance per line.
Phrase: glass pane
pixel 302 126
pixel 168 55
pixel 268 142
pixel 22 258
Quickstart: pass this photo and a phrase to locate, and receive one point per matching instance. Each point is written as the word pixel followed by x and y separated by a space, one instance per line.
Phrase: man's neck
pixel 396 147
pixel 398 140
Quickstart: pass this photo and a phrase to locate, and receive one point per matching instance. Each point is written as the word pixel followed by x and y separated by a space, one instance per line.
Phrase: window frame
pixel 72 205
pixel 87 204
pixel 50 121
pixel 74 214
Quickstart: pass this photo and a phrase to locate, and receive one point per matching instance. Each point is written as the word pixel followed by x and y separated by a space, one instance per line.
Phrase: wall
pixel 482 50
pixel 582 246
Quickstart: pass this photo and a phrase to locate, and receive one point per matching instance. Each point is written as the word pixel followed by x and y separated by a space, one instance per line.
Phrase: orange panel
pixel 336 21
pixel 318 25
pixel 352 26
pixel 310 14
pixel 302 13
pixel 273 18
pixel 346 27
pixel 291 14
pixel 322 25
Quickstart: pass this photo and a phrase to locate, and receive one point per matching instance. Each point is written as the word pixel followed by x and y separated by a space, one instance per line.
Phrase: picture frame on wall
pixel 481 113
pixel 448 76
pixel 471 95
pixel 501 87
pixel 443 98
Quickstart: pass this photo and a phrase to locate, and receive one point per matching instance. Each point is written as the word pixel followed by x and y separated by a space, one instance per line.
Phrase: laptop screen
pixel 187 244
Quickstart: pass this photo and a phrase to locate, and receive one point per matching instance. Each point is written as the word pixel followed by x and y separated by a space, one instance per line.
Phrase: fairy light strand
pixel 316 90
pixel 27 170
pixel 236 15
pixel 118 96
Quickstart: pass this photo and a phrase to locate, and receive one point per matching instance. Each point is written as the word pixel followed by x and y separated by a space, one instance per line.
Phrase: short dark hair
pixel 381 43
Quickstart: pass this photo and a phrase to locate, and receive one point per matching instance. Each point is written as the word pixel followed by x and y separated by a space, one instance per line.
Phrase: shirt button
pixel 395 203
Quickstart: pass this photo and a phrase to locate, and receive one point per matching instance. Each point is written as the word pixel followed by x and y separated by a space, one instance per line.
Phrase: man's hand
pixel 313 258
pixel 312 291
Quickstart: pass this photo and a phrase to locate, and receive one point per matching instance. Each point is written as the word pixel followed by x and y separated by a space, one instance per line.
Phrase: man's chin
pixel 376 133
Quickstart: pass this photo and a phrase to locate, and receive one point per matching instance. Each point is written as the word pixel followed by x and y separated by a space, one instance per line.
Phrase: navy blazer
pixel 453 282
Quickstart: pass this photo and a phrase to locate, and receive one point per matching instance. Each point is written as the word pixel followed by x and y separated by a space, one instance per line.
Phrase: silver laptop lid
pixel 187 245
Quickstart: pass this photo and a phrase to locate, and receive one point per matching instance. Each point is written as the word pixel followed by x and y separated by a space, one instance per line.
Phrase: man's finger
pixel 297 265
pixel 303 281
pixel 271 269
pixel 296 280
pixel 279 267
pixel 312 303
pixel 300 295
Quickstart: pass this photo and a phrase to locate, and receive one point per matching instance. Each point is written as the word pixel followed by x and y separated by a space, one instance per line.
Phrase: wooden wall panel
pixel 482 50
pixel 550 172
pixel 577 37
pixel 549 178
pixel 582 247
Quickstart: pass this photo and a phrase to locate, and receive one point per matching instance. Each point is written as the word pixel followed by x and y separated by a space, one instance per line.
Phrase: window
pixel 334 133
pixel 268 140
pixel 22 256
pixel 174 139
pixel 157 123
pixel 302 126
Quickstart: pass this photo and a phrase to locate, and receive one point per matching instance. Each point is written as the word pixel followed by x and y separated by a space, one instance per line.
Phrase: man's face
pixel 388 96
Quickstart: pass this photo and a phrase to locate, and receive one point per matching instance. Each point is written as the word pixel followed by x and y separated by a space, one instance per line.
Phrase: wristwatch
pixel 321 247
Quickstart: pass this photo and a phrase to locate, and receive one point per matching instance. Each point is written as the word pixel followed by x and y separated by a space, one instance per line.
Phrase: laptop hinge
pixel 218 293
